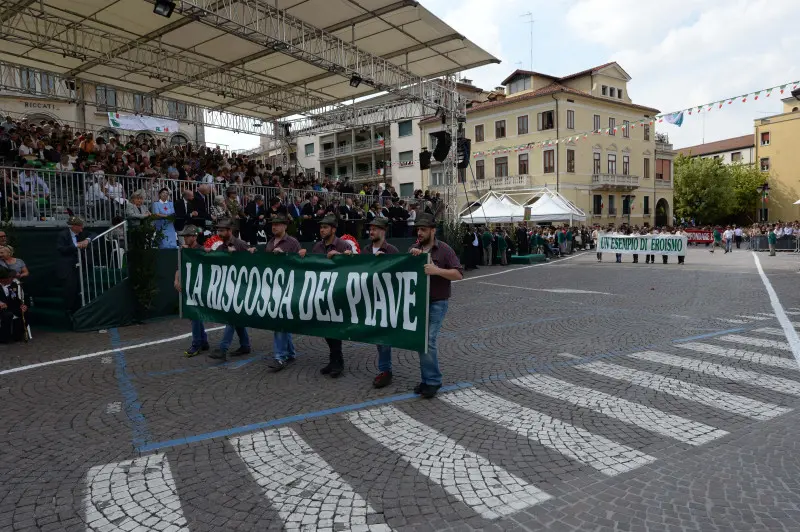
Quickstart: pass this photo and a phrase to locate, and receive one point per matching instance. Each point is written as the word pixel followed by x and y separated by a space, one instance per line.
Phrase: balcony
pixel 364 146
pixel 614 182
pixel 370 176
pixel 500 184
pixel 663 183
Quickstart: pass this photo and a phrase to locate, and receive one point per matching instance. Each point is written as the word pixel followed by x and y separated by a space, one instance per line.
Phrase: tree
pixel 746 180
pixel 703 190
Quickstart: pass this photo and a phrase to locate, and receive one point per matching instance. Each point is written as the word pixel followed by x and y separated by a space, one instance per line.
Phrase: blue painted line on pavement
pixel 155 446
pixel 708 335
pixel 133 407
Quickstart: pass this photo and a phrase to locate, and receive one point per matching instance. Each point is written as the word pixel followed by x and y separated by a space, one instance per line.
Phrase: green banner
pixel 374 300
pixel 644 244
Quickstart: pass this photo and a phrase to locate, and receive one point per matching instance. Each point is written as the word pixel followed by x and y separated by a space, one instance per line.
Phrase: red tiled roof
pixel 526 73
pixel 745 141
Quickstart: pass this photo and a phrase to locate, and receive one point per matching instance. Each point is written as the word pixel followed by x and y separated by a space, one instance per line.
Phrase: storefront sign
pixel 374 300
pixel 40 105
pixel 645 244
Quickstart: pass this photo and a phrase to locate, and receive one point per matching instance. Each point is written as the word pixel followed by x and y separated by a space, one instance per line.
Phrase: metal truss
pixel 30 25
pixel 266 25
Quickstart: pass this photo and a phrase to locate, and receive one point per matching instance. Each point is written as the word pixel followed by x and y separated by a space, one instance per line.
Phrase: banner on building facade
pixel 375 300
pixel 142 123
pixel 642 244
pixel 699 236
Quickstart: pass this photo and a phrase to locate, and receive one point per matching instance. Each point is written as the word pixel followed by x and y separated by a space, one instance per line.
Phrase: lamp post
pixel 764 190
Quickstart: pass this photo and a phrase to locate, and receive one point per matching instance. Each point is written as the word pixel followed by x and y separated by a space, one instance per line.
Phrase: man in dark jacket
pixel 70 242
pixel 12 309
pixel 256 214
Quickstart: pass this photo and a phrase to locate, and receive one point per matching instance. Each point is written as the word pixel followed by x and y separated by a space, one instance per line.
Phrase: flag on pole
pixel 675 119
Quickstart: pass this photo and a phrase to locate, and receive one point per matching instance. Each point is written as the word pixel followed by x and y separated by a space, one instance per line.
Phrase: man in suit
pixel 70 242
pixel 256 214
pixel 202 199
pixel 184 206
pixel 522 239
pixel 349 214
pixel 12 309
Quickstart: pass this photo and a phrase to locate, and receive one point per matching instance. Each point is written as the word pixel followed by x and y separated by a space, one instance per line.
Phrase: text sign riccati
pixel 642 244
pixel 375 300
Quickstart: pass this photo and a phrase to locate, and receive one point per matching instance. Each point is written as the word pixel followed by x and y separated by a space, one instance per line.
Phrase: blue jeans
pixel 384 358
pixel 227 337
pixel 429 362
pixel 729 245
pixel 199 337
pixel 282 346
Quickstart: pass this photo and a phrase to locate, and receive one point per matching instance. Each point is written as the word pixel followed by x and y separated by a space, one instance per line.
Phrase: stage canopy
pixel 550 206
pixel 493 208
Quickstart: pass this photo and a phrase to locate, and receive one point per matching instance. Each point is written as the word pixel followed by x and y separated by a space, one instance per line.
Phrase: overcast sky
pixel 680 53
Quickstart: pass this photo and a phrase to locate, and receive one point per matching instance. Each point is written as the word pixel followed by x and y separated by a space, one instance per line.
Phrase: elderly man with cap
pixel 331 245
pixel 231 244
pixel 280 243
pixel 189 235
pixel 377 247
pixel 68 244
pixel 443 269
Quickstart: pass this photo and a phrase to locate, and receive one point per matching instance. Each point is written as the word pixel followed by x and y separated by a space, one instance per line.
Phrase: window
pixel 522 125
pixel 736 157
pixel 647 132
pixel 437 179
pixel 523 164
pixel 142 104
pixel 549 161
pixel 619 93
pixel 596 122
pixel 612 124
pixel 612 163
pixel 480 169
pixel 626 205
pixel 406 158
pixel 605 90
pixel 500 129
pixel 571 161
pixel 613 92
pixel 342 171
pixel 404 128
pixel 309 149
pixel 626 129
pixel 765 138
pixel 647 168
pixel 570 119
pixel 647 205
pixel 612 209
pixel 596 164
pixel 176 109
pixel 48 84
pixel 406 190
pixel 178 140
pixel 106 97
pixel 479 133
pixel 597 204
pixel 501 167
pixel 765 164
pixel 545 120
pixel 520 84
pixel 626 165
pixel 27 78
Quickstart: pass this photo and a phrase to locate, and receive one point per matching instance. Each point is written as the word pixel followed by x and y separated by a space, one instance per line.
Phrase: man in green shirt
pixel 487 246
pixel 772 239
pixel 717 239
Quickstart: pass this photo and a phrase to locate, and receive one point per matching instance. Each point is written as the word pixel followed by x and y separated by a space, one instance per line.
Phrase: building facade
pixel 604 160
pixel 736 150
pixel 776 152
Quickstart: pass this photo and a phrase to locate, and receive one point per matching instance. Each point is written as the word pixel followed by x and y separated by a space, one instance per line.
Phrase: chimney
pixel 466 81
pixel 500 89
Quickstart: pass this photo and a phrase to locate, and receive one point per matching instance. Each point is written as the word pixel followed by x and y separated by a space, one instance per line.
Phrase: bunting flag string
pixel 675 118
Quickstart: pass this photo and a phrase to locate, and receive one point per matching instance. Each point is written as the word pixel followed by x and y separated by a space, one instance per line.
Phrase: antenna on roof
pixel 531 21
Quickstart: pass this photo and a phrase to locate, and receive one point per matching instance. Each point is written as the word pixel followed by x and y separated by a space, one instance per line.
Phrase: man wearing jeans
pixel 281 243
pixel 189 235
pixel 443 269
pixel 379 246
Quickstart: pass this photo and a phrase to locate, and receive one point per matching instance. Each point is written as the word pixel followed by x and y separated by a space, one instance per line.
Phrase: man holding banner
pixel 331 245
pixel 189 235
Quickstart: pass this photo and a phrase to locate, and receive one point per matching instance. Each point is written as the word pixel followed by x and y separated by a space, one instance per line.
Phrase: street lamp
pixel 764 190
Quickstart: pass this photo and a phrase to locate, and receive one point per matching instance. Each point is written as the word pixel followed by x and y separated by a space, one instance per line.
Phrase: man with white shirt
pixel 727 236
pixel 737 236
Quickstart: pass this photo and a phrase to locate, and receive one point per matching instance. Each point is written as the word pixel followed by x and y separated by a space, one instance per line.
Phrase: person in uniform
pixel 377 247
pixel 232 244
pixel 443 269
pixel 12 309
pixel 281 243
pixel 330 245
pixel 189 234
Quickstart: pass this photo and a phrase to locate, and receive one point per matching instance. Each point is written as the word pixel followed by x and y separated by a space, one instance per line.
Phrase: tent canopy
pixel 550 206
pixel 493 208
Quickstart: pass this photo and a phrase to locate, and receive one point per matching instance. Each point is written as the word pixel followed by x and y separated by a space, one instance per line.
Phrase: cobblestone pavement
pixel 579 396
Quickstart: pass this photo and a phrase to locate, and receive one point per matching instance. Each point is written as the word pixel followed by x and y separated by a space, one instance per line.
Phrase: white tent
pixel 550 206
pixel 493 208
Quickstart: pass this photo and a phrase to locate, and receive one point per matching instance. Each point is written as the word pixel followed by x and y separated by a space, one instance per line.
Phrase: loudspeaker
pixel 463 147
pixel 424 159
pixel 443 143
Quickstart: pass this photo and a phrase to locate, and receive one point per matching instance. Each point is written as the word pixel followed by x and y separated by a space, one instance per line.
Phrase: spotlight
pixel 355 80
pixel 164 8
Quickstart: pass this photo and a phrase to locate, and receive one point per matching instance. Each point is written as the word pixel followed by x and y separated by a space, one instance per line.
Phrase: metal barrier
pixel 34 196
pixel 784 243
pixel 102 264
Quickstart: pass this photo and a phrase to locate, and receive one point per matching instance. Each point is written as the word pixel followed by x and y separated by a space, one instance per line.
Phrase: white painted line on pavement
pixel 303 488
pixel 786 325
pixel 518 269
pixel 757 342
pixel 757 318
pixel 607 456
pixel 729 320
pixel 135 494
pixel 652 419
pixel 487 489
pixel 553 290
pixel 753 378
pixel 738 354
pixel 738 404
pixel 774 331
pixel 125 348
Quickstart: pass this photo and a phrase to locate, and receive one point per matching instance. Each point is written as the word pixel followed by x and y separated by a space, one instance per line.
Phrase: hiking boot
pixel 382 379
pixel 220 354
pixel 193 351
pixel 241 351
pixel 428 391
pixel 280 364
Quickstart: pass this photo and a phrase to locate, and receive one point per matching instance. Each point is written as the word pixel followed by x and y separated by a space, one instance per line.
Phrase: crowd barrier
pixel 785 243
